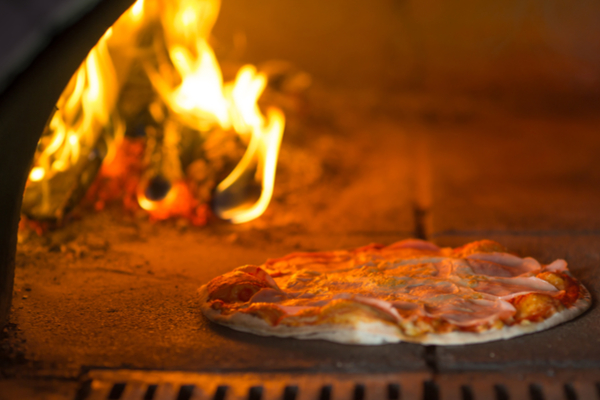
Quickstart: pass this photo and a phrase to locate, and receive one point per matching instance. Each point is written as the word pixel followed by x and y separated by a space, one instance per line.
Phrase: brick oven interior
pixel 449 124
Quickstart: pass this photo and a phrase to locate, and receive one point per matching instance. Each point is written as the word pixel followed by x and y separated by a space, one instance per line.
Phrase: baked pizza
pixel 412 291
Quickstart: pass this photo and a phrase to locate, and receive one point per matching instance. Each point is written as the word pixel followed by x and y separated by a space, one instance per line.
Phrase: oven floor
pixel 115 291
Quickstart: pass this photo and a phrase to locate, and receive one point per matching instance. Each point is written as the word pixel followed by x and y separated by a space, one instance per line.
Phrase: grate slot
pixel 290 392
pixel 431 390
pixel 186 392
pixel 466 392
pixel 535 392
pixel 142 385
pixel 255 393
pixel 393 391
pixel 501 392
pixel 117 391
pixel 570 392
pixel 221 392
pixel 359 392
pixel 149 395
pixel 84 391
pixel 134 390
pixel 326 392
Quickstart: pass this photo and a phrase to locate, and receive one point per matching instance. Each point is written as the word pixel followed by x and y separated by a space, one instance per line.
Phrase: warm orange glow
pixel 83 110
pixel 263 146
pixel 199 99
pixel 179 202
pixel 37 174
pixel 202 100
pixel 190 91
pixel 137 10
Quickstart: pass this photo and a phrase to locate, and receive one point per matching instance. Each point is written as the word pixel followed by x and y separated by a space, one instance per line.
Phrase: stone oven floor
pixel 116 291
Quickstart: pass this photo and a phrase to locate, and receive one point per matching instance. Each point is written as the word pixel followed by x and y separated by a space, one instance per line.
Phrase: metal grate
pixel 154 385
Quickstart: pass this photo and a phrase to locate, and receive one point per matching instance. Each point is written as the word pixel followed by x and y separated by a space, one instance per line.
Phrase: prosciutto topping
pixel 406 281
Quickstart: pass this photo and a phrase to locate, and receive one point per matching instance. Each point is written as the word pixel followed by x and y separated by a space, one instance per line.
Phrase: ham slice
pixel 258 273
pixel 268 296
pixel 469 312
pixel 510 262
pixel 507 288
pixel 463 291
pixel 489 268
pixel 414 244
pixel 293 310
pixel 380 304
pixel 556 266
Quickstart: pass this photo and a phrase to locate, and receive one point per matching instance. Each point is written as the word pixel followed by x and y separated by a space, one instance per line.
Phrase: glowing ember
pixel 186 97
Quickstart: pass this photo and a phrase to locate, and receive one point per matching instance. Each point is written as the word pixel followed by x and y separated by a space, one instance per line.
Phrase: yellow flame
pixel 264 145
pixel 245 92
pixel 185 22
pixel 202 100
pixel 199 98
pixel 137 10
pixel 188 80
pixel 83 109
pixel 37 174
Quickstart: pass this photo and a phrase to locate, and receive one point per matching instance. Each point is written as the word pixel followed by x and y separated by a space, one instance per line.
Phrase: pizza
pixel 410 291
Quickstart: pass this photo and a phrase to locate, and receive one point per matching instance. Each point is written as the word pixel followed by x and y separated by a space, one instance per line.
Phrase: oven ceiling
pixel 497 48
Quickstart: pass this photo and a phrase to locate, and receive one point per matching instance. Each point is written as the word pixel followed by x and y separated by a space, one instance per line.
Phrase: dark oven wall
pixel 41 46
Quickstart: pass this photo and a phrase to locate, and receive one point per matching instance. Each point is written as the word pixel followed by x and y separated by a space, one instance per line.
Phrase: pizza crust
pixel 367 333
pixel 377 332
pixel 508 332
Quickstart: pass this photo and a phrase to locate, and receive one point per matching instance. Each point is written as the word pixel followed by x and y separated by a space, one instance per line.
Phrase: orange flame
pixel 189 83
pixel 264 145
pixel 84 111
pixel 202 100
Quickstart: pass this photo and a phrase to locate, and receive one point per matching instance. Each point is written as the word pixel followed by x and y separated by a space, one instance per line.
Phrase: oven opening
pixel 187 145
pixel 148 121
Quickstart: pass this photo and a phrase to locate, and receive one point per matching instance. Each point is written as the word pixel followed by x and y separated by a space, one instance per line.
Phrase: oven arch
pixel 25 105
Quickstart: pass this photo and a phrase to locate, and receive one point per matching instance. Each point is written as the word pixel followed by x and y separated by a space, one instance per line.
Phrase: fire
pixel 190 94
pixel 81 111
pixel 264 145
pixel 37 174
